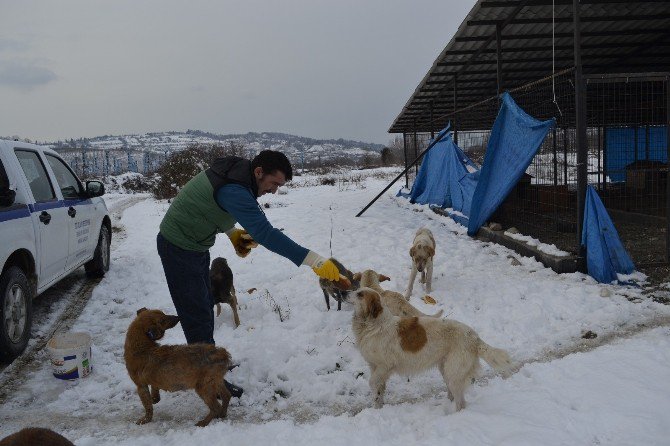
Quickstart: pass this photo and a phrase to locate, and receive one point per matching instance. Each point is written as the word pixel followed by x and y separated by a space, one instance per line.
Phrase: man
pixel 210 203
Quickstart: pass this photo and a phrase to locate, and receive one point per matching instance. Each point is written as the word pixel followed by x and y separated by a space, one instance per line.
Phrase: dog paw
pixel 143 420
pixel 202 423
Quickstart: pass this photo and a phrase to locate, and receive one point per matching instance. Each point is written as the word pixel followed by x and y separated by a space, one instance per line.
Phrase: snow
pixel 550 249
pixel 304 380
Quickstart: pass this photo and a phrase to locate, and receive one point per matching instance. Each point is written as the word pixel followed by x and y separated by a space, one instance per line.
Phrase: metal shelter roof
pixel 536 40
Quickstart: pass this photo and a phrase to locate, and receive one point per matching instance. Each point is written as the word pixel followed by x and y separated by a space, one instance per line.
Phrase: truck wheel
pixel 16 313
pixel 99 264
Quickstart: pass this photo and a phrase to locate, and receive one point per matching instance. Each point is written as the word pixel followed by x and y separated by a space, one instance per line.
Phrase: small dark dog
pixel 338 290
pixel 32 436
pixel 223 290
pixel 201 367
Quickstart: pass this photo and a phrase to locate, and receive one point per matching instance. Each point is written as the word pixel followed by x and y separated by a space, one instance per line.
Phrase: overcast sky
pixel 323 69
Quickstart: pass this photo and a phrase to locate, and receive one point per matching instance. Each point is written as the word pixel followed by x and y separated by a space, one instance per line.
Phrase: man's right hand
pixel 324 268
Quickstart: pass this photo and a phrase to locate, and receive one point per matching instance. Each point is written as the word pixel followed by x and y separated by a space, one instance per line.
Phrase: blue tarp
pixel 515 138
pixel 621 150
pixel 437 182
pixel 605 255
pixel 444 180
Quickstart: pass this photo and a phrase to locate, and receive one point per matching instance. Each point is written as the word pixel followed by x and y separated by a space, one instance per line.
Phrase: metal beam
pixel 532 36
pixel 537 20
pixel 538 59
pixel 548 47
pixel 430 146
pixel 509 4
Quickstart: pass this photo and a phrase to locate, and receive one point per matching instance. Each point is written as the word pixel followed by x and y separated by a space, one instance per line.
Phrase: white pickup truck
pixel 50 225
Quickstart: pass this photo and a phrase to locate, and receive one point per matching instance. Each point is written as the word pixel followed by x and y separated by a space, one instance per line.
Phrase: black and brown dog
pixel 339 289
pixel 223 290
pixel 201 367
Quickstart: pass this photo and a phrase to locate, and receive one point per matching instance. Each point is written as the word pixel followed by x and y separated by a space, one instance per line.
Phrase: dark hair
pixel 271 161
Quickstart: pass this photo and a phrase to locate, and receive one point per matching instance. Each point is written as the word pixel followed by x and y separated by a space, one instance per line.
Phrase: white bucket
pixel 70 355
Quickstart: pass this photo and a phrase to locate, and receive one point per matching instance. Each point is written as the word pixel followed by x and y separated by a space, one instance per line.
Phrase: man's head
pixel 271 169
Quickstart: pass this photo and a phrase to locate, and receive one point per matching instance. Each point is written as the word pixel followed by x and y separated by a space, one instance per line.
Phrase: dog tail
pixel 497 358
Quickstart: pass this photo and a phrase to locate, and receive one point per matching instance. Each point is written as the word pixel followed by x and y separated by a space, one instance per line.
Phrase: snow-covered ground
pixel 304 380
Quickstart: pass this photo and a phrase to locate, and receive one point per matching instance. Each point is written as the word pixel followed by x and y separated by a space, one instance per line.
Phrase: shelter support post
pixel 667 145
pixel 454 125
pixel 499 58
pixel 580 119
pixel 416 150
pixel 604 157
pixel 555 166
pixel 565 157
pixel 404 149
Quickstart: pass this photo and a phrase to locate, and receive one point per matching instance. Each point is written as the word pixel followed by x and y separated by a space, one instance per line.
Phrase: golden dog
pixel 407 346
pixel 392 300
pixel 422 253
pixel 174 367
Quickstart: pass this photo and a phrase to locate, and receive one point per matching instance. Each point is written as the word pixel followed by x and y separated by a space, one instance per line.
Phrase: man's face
pixel 268 182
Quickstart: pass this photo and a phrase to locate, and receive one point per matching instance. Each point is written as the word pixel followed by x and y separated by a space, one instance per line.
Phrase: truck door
pixel 79 211
pixel 49 216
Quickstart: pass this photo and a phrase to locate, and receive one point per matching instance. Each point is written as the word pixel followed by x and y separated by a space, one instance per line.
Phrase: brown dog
pixel 174 367
pixel 409 345
pixel 34 436
pixel 223 290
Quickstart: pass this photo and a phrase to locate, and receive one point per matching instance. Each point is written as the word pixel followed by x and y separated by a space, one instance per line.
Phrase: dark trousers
pixel 187 274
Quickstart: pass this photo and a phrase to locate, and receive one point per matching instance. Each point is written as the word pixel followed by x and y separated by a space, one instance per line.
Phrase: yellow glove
pixel 324 268
pixel 327 271
pixel 242 241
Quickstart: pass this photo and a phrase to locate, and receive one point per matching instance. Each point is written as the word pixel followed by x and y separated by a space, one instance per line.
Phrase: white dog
pixel 407 346
pixel 394 301
pixel 422 252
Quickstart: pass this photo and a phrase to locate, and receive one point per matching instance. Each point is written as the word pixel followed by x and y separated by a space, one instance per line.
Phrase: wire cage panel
pixel 627 159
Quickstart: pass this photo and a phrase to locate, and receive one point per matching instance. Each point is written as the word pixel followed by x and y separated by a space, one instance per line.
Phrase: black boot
pixel 233 389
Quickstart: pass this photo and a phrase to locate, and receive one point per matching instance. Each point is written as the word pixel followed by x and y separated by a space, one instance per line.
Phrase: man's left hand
pixel 242 242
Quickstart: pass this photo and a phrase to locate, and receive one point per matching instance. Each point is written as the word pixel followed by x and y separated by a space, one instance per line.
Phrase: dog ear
pixel 431 251
pixel 171 321
pixel 374 306
pixel 357 276
pixel 411 251
pixel 141 310
pixel 383 278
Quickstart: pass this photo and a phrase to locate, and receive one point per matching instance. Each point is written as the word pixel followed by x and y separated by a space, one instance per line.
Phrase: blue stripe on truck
pixel 24 210
pixel 21 212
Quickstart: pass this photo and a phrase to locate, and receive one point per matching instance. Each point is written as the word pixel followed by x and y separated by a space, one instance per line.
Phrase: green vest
pixel 194 218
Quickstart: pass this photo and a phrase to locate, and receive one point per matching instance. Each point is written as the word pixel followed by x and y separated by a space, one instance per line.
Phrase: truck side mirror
pixel 95 188
pixel 7 196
